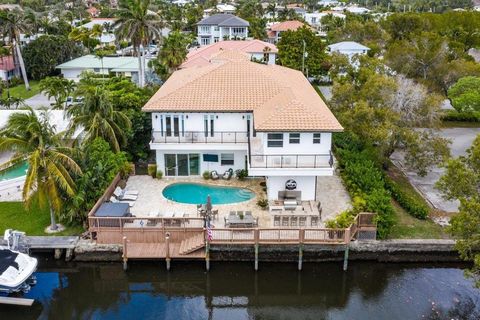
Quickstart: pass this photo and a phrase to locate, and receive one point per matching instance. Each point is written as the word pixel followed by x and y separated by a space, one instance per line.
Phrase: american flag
pixel 209 232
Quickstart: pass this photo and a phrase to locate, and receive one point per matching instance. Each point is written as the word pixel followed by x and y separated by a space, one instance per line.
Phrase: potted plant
pixel 240 215
pixel 262 203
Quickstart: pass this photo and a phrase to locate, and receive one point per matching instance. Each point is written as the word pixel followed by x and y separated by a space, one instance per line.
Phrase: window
pixel 205 29
pixel 216 39
pixel 294 138
pixel 238 30
pixel 205 41
pixel 314 20
pixel 275 140
pixel 216 28
pixel 96 69
pixel 317 138
pixel 227 159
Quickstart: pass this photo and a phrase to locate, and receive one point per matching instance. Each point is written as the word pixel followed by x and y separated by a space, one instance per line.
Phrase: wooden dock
pixel 159 251
pixel 57 243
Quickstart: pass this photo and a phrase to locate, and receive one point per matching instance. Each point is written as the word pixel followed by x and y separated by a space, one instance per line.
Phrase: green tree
pixel 137 24
pixel 57 88
pixel 32 138
pixel 87 37
pixel 42 55
pixel 465 94
pixel 172 54
pixel 462 181
pixel 302 50
pixel 96 117
pixel 12 23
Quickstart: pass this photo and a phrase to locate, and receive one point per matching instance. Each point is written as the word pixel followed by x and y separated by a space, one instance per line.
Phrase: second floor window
pixel 205 29
pixel 294 138
pixel 317 138
pixel 238 30
pixel 275 140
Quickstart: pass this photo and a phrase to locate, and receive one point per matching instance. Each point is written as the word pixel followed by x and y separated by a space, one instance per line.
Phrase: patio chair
pixel 232 214
pixel 314 221
pixel 214 175
pixel 293 221
pixel 302 222
pixel 248 213
pixel 276 221
pixel 319 207
pixel 131 203
pixel 285 221
pixel 120 196
pixel 226 222
pixel 215 214
pixel 228 174
pixel 127 192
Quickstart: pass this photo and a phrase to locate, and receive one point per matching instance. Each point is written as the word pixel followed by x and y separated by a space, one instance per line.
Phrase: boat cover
pixel 7 259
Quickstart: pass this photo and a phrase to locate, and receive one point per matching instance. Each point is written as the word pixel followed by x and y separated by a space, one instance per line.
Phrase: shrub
pixel 159 174
pixel 241 174
pixel 412 205
pixel 379 201
pixel 206 175
pixel 263 184
pixel 152 170
pixel 343 220
pixel 454 115
pixel 262 203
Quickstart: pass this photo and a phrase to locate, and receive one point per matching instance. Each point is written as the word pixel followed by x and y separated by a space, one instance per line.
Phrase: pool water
pixel 16 171
pixel 196 193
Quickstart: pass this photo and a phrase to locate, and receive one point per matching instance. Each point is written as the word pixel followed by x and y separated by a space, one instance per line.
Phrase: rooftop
pixel 347 45
pixel 287 25
pixel 281 99
pixel 7 63
pixel 90 62
pixel 224 20
pixel 201 56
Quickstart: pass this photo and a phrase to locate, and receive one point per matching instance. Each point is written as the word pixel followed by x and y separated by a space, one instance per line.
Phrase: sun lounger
pixel 120 196
pixel 228 174
pixel 214 175
pixel 131 203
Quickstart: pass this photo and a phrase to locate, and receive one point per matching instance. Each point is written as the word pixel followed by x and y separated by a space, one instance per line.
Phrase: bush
pixel 454 115
pixel 159 174
pixel 412 205
pixel 263 184
pixel 262 203
pixel 152 170
pixel 241 174
pixel 343 220
pixel 206 175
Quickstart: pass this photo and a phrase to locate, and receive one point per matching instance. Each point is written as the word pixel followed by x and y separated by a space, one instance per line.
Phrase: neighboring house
pixel 124 66
pixel 7 68
pixel 237 114
pixel 220 8
pixel 348 48
pixel 257 50
pixel 219 27
pixel 328 3
pixel 315 18
pixel 107 37
pixel 274 32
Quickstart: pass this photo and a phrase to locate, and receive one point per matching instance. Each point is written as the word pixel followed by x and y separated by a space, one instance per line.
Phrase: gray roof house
pixel 219 27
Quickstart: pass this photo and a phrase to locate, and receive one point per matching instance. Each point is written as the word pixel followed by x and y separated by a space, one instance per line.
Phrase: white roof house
pixel 126 66
pixel 220 8
pixel 348 48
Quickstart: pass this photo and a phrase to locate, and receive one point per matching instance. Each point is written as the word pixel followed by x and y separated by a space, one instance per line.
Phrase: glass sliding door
pixel 168 126
pixel 182 164
pixel 194 159
pixel 170 164
pixel 176 128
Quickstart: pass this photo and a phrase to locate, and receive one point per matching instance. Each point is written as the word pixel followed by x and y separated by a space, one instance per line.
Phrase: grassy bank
pixel 13 215
pixel 20 91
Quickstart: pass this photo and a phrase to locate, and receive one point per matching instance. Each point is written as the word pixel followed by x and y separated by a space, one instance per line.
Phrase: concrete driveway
pixel 39 100
pixel 461 139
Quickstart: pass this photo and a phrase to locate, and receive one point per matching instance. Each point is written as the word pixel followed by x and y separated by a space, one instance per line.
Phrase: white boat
pixel 16 268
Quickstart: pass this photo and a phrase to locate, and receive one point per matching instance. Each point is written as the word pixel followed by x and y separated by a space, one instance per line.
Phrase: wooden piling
pixel 345 259
pixel 257 237
pixel 300 249
pixel 207 249
pixel 167 250
pixel 58 254
pixel 124 254
pixel 68 254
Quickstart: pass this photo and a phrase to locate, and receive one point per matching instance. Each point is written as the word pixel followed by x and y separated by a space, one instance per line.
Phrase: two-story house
pixel 238 114
pixel 274 32
pixel 219 27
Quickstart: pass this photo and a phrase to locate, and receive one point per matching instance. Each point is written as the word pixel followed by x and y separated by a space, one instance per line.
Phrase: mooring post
pixel 207 249
pixel 68 255
pixel 347 242
pixel 167 250
pixel 256 236
pixel 300 249
pixel 58 254
pixel 124 254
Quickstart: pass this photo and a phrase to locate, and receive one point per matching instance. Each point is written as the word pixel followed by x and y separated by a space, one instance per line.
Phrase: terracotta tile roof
pixel 280 98
pixel 287 25
pixel 201 56
pixel 7 63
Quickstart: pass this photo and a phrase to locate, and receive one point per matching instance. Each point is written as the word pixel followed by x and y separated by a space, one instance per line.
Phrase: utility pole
pixel 303 57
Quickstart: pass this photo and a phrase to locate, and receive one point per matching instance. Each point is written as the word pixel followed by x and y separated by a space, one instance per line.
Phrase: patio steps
pixel 192 244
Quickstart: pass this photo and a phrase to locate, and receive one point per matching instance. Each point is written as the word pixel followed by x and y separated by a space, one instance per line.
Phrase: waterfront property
pixel 219 27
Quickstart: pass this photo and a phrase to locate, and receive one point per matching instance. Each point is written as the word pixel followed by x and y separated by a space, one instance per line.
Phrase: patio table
pixel 237 222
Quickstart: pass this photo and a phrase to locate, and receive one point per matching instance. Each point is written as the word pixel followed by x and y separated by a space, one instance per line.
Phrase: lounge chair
pixel 214 175
pixel 120 196
pixel 228 174
pixel 276 221
pixel 127 192
pixel 131 203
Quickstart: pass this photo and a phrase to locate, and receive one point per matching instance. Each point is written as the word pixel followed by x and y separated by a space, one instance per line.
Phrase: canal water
pixel 234 291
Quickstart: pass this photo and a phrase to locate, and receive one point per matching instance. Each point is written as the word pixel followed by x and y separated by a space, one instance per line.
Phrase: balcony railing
pixel 200 137
pixel 291 161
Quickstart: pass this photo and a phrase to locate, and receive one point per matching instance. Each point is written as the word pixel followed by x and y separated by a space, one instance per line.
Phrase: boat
pixel 16 268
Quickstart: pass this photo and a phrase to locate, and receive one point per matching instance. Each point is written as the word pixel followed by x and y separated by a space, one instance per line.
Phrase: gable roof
pixel 280 98
pixel 347 45
pixel 224 20
pixel 201 56
pixel 287 25
pixel 90 61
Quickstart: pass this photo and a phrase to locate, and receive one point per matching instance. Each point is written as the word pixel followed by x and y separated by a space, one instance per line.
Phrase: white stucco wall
pixel 305 184
pixel 226 122
pixel 306 145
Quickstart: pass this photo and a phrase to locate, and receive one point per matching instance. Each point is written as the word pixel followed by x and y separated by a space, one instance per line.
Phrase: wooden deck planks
pixel 158 251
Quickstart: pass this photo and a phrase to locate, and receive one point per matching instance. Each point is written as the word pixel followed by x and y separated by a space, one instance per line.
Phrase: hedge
pixel 454 115
pixel 412 205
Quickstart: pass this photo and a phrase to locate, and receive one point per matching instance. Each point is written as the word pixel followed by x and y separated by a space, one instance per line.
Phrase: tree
pixel 12 23
pixel 58 88
pixel 462 181
pixel 173 53
pixel 87 37
pixel 465 94
pixel 42 55
pixel 252 11
pixel 96 117
pixel 291 51
pixel 32 138
pixel 138 25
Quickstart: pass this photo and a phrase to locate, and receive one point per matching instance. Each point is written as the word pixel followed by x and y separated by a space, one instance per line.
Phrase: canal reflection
pixel 235 291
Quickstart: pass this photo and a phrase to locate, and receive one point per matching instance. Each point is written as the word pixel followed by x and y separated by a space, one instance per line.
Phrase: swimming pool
pixel 196 193
pixel 13 172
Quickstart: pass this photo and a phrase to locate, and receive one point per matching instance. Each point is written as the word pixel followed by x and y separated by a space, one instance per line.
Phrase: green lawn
pixel 13 215
pixel 403 183
pixel 20 91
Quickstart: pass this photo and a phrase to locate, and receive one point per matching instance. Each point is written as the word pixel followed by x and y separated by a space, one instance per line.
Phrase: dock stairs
pixel 192 244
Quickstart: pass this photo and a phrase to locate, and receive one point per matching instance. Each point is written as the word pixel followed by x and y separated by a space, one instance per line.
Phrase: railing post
pixel 300 249
pixel 124 254
pixel 257 240
pixel 167 250
pixel 207 249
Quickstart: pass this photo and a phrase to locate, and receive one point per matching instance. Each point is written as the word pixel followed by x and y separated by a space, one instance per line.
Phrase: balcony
pixel 223 137
pixel 290 161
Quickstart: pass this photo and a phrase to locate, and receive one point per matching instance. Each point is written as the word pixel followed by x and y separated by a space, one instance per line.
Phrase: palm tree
pixel 32 138
pixel 139 25
pixel 174 50
pixel 13 23
pixel 96 117
pixel 57 88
